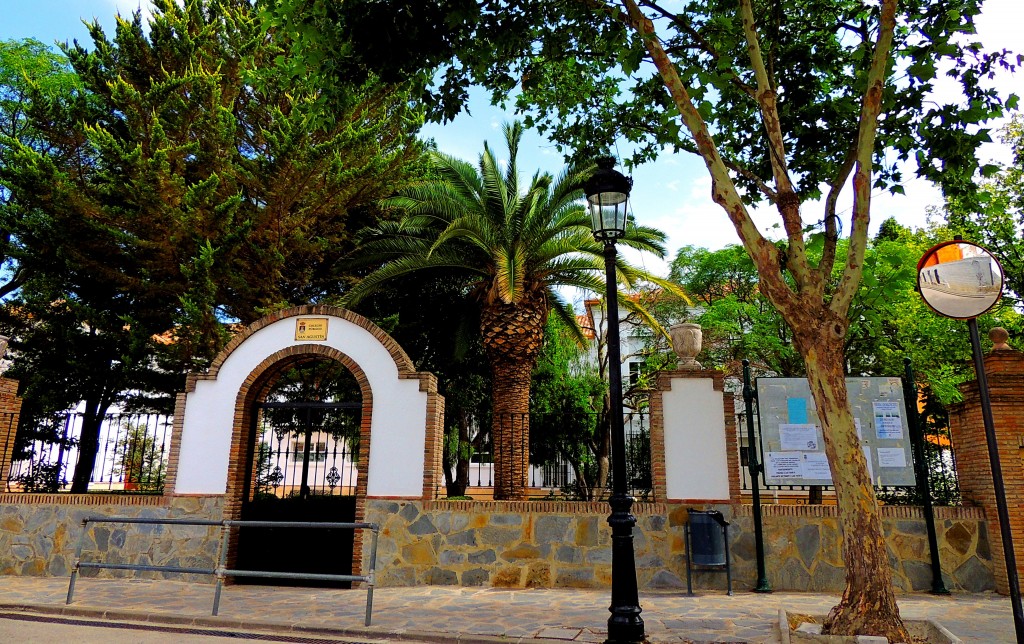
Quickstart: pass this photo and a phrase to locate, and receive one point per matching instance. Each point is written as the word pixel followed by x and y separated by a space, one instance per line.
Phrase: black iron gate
pixel 304 467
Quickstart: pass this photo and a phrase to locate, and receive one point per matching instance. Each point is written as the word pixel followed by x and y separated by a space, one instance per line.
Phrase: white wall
pixel 696 464
pixel 398 426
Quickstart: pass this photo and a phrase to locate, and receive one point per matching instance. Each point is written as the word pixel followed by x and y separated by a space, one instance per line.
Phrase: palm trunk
pixel 868 605
pixel 510 429
pixel 512 336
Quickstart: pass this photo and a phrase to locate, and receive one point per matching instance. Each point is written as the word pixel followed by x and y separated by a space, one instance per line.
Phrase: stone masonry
pixel 567 544
pixel 39 534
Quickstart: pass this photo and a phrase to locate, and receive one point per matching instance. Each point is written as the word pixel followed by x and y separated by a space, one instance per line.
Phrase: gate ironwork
pixel 307 448
pixel 304 469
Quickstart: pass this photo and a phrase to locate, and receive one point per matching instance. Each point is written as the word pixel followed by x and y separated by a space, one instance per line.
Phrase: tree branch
pixel 871 107
pixel 828 256
pixel 723 190
pixel 702 45
pixel 788 202
pixel 765 189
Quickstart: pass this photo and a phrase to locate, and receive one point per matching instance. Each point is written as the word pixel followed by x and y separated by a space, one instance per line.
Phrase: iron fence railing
pixel 132 454
pixel 559 447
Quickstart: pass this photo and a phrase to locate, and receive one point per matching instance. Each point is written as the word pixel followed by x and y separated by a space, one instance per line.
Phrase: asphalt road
pixel 23 628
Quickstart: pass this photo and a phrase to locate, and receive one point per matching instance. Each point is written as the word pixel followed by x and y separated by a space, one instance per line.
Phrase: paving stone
pixel 974 576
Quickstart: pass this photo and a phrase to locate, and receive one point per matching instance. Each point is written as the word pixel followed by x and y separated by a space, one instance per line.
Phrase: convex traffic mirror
pixel 959 279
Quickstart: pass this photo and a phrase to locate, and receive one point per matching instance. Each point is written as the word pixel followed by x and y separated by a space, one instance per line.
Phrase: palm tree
pixel 517 244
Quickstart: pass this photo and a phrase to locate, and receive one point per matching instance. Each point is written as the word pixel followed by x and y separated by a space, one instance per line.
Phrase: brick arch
pixel 255 389
pixel 401 406
pixel 398 354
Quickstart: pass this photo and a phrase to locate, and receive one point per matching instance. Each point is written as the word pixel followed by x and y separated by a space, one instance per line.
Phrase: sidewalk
pixel 485 615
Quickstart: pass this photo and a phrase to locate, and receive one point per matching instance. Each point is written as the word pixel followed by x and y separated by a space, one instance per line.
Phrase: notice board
pixel 792 444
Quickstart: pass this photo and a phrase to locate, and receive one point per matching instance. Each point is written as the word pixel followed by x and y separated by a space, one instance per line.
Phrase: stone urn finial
pixel 998 335
pixel 686 342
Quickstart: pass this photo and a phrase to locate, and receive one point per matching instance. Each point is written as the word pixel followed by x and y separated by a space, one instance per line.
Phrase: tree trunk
pixel 510 429
pixel 88 447
pixel 465 454
pixel 868 605
pixel 512 335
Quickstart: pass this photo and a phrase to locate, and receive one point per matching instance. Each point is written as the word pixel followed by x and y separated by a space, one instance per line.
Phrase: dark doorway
pixel 303 467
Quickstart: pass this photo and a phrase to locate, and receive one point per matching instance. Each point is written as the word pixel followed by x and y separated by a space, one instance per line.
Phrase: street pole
pixel 762 585
pixel 921 472
pixel 625 623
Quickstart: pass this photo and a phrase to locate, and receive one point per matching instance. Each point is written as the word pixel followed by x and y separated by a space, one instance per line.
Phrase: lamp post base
pixel 625 624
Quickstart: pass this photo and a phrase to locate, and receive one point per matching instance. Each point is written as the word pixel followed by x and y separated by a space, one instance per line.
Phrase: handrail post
pixel 371 573
pixel 222 557
pixel 78 560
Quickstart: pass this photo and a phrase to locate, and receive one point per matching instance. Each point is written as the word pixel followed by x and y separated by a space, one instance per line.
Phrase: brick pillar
pixel 10 411
pixel 1004 369
pixel 668 416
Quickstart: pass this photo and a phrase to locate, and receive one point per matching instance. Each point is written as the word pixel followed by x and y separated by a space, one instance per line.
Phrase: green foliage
pixel 45 478
pixel 165 180
pixel 140 460
pixel 31 77
pixel 605 89
pixel 516 242
pixel 568 419
pixel 737 320
pixel 995 219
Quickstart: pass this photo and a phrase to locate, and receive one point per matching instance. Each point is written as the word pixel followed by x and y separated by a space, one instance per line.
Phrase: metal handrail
pixel 221 571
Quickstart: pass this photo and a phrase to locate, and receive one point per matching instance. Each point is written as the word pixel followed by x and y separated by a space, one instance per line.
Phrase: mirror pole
pixel 997 482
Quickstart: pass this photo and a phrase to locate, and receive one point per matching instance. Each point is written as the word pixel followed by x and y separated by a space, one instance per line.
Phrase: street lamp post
pixel 607 192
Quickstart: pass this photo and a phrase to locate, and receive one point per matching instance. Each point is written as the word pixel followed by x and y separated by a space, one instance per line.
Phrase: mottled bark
pixel 868 605
pixel 816 314
pixel 512 336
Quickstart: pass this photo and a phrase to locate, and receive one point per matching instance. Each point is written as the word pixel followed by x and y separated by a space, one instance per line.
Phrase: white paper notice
pixel 783 465
pixel 887 420
pixel 889 387
pixel 815 466
pixel 891 457
pixel 798 437
pixel 867 457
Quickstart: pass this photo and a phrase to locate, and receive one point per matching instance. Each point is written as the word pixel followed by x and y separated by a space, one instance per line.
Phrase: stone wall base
pixel 39 536
pixel 561 544
pixel 542 544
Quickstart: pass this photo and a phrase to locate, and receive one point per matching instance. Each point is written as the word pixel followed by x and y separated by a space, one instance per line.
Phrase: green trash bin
pixel 707 545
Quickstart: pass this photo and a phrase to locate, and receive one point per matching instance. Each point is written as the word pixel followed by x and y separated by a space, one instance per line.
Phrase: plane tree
pixel 789 103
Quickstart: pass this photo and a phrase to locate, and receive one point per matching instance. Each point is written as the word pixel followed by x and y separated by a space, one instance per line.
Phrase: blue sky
pixel 672 193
